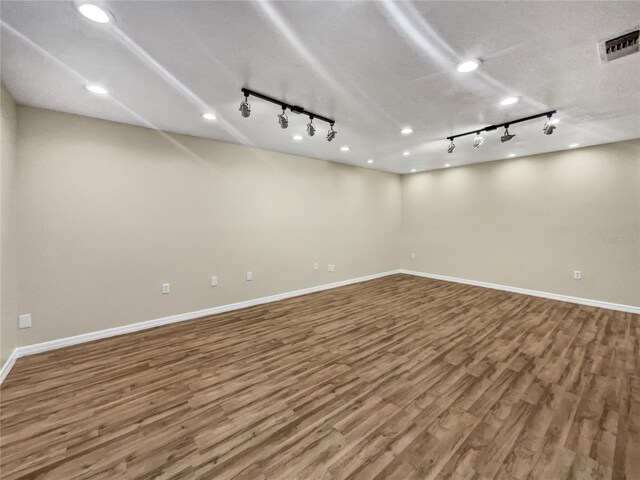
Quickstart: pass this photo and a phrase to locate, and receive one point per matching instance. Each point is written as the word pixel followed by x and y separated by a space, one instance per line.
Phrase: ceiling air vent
pixel 622 45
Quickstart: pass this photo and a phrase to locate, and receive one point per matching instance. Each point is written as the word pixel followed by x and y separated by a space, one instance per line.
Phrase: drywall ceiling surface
pixel 375 67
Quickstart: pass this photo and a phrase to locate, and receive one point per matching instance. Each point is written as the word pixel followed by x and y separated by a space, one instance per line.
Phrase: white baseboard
pixel 526 291
pixel 134 327
pixel 6 368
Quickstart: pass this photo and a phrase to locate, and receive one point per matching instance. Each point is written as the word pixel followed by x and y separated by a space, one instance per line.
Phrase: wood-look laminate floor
pixel 396 378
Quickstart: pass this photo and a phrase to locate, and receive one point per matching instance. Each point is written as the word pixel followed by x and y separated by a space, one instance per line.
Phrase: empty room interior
pixel 320 240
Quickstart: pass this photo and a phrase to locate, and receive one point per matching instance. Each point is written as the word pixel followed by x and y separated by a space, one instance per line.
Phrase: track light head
pixel 283 120
pixel 331 134
pixel 311 130
pixel 451 147
pixel 245 107
pixel 478 140
pixel 507 136
pixel 549 126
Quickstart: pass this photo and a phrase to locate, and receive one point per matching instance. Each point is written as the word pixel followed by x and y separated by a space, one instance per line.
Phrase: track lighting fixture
pixel 478 140
pixel 331 134
pixel 548 129
pixel 451 147
pixel 311 130
pixel 549 126
pixel 245 106
pixel 283 120
pixel 507 136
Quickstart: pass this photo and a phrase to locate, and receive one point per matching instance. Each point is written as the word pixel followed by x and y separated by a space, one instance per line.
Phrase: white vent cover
pixel 620 46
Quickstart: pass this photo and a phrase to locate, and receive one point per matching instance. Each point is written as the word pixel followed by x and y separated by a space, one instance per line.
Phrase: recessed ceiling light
pixel 447 164
pixel 468 66
pixel 511 155
pixel 413 170
pixel 97 89
pixel 344 149
pixel 297 137
pixel 406 153
pixel 406 131
pixel 94 13
pixel 509 101
pixel 208 116
pixel 574 145
pixel 369 161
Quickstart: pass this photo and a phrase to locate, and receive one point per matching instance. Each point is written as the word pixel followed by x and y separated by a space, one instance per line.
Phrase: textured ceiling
pixel 373 66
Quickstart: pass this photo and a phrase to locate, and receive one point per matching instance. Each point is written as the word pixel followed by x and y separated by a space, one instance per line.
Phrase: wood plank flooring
pixel 396 378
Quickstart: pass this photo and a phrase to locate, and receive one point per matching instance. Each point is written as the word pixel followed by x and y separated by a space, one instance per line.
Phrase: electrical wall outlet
pixel 214 281
pixel 166 288
pixel 249 276
pixel 316 267
pixel 413 256
pixel 331 268
pixel 577 275
pixel 24 321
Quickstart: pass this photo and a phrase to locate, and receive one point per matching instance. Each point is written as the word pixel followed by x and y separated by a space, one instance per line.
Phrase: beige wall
pixel 109 212
pixel 8 230
pixel 531 222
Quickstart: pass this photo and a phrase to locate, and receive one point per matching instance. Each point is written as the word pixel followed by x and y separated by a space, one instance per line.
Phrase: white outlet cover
pixel 249 276
pixel 166 288
pixel 577 275
pixel 214 281
pixel 24 321
pixel 331 268
pixel 316 267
